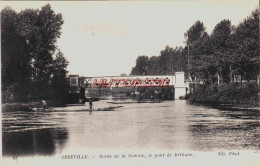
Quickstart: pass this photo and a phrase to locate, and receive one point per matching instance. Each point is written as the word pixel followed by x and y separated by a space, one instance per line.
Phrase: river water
pixel 169 125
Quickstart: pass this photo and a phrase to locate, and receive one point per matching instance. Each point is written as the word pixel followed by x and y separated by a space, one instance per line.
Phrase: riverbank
pixel 25 106
pixel 230 96
pixel 225 106
pixel 19 106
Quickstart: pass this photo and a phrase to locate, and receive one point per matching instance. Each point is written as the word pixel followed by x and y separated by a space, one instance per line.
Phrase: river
pixel 169 125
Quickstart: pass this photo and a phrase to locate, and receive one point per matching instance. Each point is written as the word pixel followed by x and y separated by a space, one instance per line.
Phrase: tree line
pixel 33 67
pixel 229 54
pixel 220 66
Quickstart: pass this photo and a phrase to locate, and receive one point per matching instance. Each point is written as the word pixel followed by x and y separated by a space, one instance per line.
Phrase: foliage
pixel 170 61
pixel 230 54
pixel 141 66
pixel 233 93
pixel 58 77
pixel 246 46
pixel 29 70
pixel 15 61
pixel 195 32
pixel 165 93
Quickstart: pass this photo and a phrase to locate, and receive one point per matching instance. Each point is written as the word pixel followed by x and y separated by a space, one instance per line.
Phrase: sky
pixel 104 38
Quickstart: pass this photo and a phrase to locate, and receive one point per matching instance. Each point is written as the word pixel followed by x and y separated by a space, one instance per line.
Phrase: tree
pixel 59 72
pixel 15 60
pixel 171 60
pixel 246 46
pixel 220 41
pixel 141 67
pixel 196 31
pixel 196 40
pixel 198 52
pixel 40 29
pixel 227 52
pixel 28 44
pixel 221 35
pixel 165 59
pixel 153 65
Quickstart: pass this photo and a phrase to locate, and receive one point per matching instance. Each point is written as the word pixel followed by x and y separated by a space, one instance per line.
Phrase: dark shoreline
pixel 226 106
pixel 25 106
pixel 19 106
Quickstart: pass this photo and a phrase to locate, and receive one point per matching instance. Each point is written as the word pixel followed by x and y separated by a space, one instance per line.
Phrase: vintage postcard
pixel 130 83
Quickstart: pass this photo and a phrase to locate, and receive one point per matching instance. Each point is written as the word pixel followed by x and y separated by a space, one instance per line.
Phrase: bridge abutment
pixel 180 86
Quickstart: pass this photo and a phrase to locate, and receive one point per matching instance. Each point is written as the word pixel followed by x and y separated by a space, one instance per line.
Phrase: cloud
pixel 111 27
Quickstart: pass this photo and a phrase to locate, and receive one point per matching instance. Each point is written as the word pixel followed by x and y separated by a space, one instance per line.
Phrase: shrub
pixel 238 93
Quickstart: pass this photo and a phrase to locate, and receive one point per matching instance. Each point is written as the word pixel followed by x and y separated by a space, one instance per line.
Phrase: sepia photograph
pixel 143 83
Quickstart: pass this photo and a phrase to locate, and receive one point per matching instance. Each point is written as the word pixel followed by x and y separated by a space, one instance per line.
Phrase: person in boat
pixel 44 104
pixel 90 104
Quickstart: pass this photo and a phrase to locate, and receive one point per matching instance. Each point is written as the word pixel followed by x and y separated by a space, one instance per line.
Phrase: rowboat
pixel 134 102
pixel 72 110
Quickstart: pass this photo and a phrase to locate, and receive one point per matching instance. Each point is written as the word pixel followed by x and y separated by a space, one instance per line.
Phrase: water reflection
pixel 171 125
pixel 214 129
pixel 34 142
